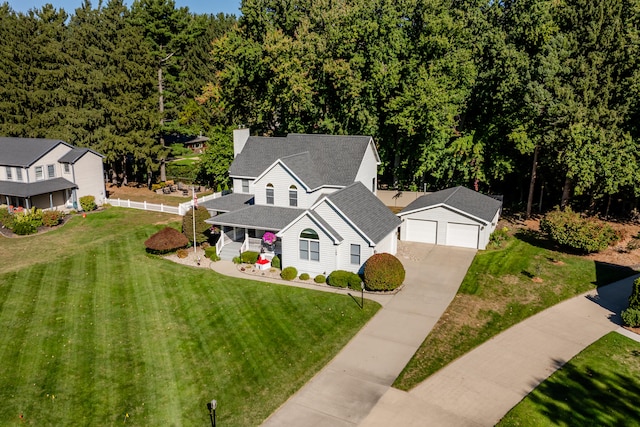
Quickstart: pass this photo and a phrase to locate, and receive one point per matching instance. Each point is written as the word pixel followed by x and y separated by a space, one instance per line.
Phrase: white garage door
pixel 463 235
pixel 420 230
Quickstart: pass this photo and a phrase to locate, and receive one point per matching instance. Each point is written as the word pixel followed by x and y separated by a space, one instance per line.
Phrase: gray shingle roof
pixel 229 203
pixel 23 152
pixel 258 216
pixel 334 159
pixel 300 166
pixel 75 155
pixel 365 210
pixel 461 198
pixel 23 189
pixel 326 226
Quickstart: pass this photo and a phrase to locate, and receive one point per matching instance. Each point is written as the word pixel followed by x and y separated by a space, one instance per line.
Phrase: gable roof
pixel 461 199
pixel 365 211
pixel 23 152
pixel 75 155
pixel 337 238
pixel 257 216
pixel 331 160
pixel 229 203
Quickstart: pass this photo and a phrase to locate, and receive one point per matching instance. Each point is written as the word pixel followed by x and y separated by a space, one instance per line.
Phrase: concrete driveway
pixel 346 390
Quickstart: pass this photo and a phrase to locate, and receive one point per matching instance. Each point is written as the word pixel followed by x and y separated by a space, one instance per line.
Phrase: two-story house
pixel 317 193
pixel 48 174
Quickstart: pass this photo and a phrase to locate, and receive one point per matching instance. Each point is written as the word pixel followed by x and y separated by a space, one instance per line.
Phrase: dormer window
pixel 245 185
pixel 270 194
pixel 293 196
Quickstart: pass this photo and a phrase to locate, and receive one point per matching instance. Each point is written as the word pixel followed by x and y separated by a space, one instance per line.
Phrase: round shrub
pixel 88 203
pixel 249 257
pixel 571 230
pixel 383 272
pixel 320 279
pixel 289 273
pixel 182 253
pixel 52 218
pixel 166 240
pixel 631 317
pixel 344 279
pixel 304 276
pixel 275 262
pixel 210 252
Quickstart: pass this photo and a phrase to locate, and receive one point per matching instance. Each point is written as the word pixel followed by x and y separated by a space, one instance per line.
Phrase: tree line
pixel 533 99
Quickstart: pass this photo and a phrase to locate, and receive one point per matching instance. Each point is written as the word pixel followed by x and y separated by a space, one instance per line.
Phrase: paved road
pixel 481 387
pixel 347 389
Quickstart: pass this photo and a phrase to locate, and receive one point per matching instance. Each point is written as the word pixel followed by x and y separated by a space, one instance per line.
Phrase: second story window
pixel 51 171
pixel 9 175
pixel 293 196
pixel 19 174
pixel 39 173
pixel 270 195
pixel 66 168
pixel 245 185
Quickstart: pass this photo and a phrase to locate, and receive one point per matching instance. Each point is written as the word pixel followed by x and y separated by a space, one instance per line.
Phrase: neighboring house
pixel 315 192
pixel 48 174
pixel 454 217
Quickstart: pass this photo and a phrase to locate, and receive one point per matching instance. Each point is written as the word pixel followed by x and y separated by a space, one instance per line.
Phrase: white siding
pixel 368 171
pixel 389 244
pixel 350 236
pixel 237 185
pixel 281 180
pixel 89 177
pixel 291 254
pixel 51 158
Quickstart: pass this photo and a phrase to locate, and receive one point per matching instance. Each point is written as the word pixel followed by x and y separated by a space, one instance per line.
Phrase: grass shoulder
pixel 503 287
pixel 596 387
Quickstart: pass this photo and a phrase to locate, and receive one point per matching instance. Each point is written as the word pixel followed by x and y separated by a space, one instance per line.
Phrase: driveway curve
pixel 349 387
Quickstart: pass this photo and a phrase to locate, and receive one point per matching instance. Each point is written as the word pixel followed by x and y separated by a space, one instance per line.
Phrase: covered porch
pixel 57 193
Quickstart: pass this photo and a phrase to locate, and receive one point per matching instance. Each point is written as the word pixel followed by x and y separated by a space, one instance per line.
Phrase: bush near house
pixel 289 273
pixel 88 203
pixel 571 230
pixel 52 218
pixel 383 272
pixel 202 228
pixel 304 276
pixel 250 257
pixel 210 252
pixel 631 316
pixel 275 262
pixel 320 279
pixel 166 240
pixel 344 279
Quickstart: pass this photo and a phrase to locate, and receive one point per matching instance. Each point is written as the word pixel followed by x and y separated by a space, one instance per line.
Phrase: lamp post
pixel 361 295
pixel 212 411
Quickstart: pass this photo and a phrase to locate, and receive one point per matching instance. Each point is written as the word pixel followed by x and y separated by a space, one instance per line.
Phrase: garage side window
pixel 309 245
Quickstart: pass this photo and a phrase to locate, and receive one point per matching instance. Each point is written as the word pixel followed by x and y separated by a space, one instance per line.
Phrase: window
pixel 66 168
pixel 9 177
pixel 19 174
pixel 51 171
pixel 39 173
pixel 355 254
pixel 373 186
pixel 269 194
pixel 309 245
pixel 293 196
pixel 245 185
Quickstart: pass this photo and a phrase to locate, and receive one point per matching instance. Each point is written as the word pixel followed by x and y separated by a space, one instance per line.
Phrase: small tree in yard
pixel 631 316
pixel 166 240
pixel 202 228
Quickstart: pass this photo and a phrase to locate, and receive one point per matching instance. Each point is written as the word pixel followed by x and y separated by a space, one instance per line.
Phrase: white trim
pixel 273 165
pixel 308 213
pixel 342 214
pixel 446 206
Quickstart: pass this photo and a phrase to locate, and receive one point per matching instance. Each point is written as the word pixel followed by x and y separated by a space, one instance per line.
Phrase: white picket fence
pixel 181 209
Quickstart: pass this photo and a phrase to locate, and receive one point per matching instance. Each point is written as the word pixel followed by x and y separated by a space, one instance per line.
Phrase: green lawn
pixel 503 287
pixel 598 387
pixel 94 329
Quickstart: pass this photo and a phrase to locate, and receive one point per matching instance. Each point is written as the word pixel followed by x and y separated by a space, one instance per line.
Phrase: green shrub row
pixel 28 221
pixel 344 279
pixel 571 230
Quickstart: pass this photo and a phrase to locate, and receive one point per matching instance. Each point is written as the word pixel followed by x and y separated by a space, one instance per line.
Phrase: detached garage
pixel 453 217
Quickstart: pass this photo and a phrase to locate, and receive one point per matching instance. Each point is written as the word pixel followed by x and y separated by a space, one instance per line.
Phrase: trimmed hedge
pixel 289 273
pixel 570 229
pixel 166 240
pixel 210 252
pixel 320 279
pixel 344 279
pixel 304 276
pixel 275 262
pixel 383 272
pixel 249 257
pixel 88 203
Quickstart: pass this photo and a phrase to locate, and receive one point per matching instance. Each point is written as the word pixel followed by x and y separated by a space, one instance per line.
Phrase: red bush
pixel 166 240
pixel 383 272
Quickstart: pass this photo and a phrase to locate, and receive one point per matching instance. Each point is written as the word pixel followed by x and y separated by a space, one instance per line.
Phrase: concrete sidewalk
pixel 481 387
pixel 347 389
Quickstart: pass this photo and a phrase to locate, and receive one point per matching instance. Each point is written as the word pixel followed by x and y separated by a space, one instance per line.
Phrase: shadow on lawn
pixel 585 396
